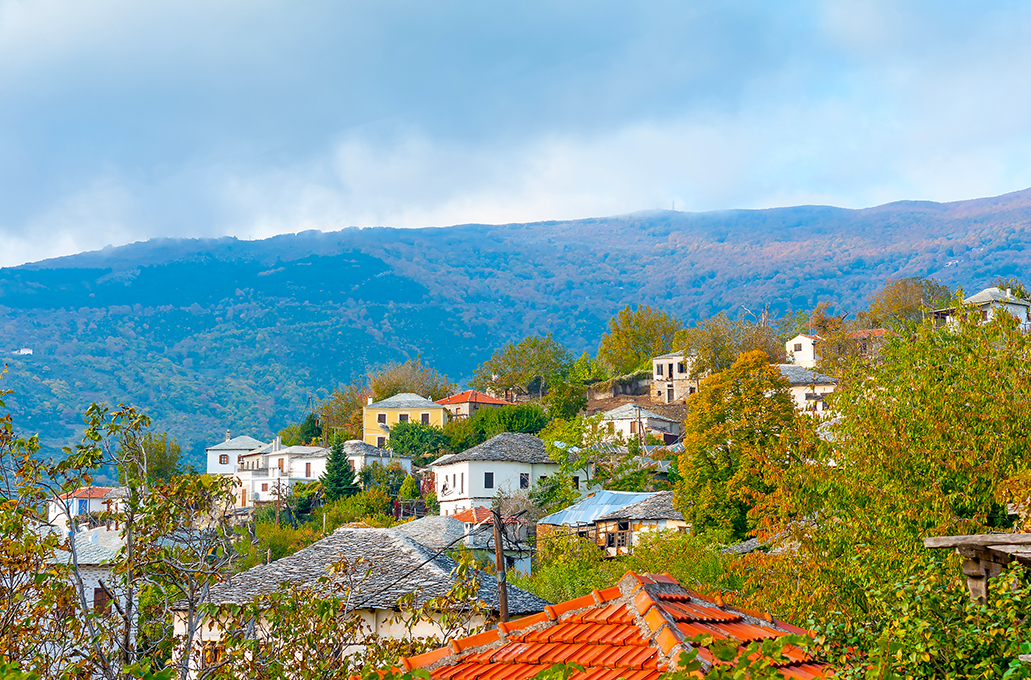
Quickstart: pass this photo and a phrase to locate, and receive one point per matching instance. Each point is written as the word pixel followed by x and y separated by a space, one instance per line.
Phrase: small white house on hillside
pixel 82 501
pixel 509 463
pixel 223 458
pixel 808 388
pixel 992 301
pixel 671 378
pixel 269 472
pixel 801 350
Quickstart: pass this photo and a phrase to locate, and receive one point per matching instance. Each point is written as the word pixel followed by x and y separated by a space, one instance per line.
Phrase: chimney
pixel 1009 292
pixel 370 401
pixel 228 437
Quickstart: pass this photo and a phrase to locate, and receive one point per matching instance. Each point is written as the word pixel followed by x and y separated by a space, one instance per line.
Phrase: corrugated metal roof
pixel 599 503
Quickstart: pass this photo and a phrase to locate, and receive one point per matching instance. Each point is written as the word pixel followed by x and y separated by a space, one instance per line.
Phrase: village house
pixel 614 520
pixel 385 566
pixel 466 404
pixel 671 378
pixel 361 455
pixel 224 458
pixel 268 473
pixel 95 550
pixel 992 301
pixel 620 530
pixel 507 463
pixel 808 388
pixel 801 350
pixel 87 500
pixel 631 421
pixel 634 630
pixel 378 417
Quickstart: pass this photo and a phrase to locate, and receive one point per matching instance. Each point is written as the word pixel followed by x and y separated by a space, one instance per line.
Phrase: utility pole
pixel 499 555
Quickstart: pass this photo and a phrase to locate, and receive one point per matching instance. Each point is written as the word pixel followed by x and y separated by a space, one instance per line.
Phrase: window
pixel 612 427
pixel 633 427
pixel 402 418
pixel 83 506
pixel 381 418
pixel 798 347
pixel 425 418
pixel 488 480
pixel 264 487
pixel 211 653
pixel 524 480
pixel 307 470
pixel 461 487
pixel 101 601
pixel 223 459
pixel 380 441
pixel 576 483
pixel 280 464
pixel 681 367
pixel 658 369
pixel 350 462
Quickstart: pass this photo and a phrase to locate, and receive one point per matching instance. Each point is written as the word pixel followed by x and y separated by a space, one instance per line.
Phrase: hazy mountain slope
pixel 213 334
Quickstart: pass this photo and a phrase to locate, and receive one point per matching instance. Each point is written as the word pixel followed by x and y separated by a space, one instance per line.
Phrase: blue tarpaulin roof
pixel 594 506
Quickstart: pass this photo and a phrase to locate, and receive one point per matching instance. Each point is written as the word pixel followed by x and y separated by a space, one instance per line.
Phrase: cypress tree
pixel 338 481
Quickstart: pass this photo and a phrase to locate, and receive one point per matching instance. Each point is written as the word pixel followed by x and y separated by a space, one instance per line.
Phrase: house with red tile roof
pixel 466 404
pixel 82 501
pixel 634 630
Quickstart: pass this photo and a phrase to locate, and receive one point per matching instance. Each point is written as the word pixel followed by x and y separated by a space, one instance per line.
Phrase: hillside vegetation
pixel 214 334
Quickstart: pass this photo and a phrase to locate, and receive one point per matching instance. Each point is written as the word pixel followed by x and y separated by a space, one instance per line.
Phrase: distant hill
pixel 214 334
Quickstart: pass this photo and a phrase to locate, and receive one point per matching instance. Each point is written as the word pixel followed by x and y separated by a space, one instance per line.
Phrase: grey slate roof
pixel 633 412
pixel 658 506
pixel 799 375
pixel 434 531
pixel 508 446
pixel 93 547
pixel 396 565
pixel 356 447
pixel 241 443
pixel 989 295
pixel 671 355
pixel 405 400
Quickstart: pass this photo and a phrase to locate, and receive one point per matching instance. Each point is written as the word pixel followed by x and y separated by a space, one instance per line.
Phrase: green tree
pixel 586 370
pixel 409 488
pixel 902 303
pixel 338 481
pixel 715 343
pixel 387 478
pixel 733 419
pixel 161 458
pixel 635 336
pixel 1012 284
pixel 422 443
pixel 533 361
pixel 410 376
pixel 565 399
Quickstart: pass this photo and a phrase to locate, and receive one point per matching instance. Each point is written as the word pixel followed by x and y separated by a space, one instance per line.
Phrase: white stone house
pixel 808 388
pixel 223 458
pixel 671 378
pixel 271 471
pixel 631 421
pixel 386 564
pixel 801 350
pixel 82 501
pixel 992 301
pixel 508 463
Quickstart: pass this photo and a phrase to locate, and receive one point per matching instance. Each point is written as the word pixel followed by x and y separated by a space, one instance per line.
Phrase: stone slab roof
pixel 514 447
pixel 404 400
pixel 633 412
pixel 634 630
pixel 989 295
pixel 93 547
pixel 658 506
pixel 438 532
pixel 241 443
pixel 798 375
pixel 356 447
pixel 396 565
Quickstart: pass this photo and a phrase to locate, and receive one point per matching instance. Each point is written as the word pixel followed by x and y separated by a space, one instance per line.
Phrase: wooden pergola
pixel 984 556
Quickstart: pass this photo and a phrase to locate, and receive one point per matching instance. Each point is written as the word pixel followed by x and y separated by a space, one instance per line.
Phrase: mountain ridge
pixel 224 333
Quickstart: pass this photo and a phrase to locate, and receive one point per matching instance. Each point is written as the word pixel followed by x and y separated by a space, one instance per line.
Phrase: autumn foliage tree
pixel 636 335
pixel 734 419
pixel 410 376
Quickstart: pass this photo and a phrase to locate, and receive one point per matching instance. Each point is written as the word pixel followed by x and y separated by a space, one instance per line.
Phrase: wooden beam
pixel 977 541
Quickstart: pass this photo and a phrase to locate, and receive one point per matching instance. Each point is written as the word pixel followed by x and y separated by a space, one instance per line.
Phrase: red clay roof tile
pixel 604 635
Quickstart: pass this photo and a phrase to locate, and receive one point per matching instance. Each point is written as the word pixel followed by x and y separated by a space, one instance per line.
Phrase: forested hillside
pixel 210 335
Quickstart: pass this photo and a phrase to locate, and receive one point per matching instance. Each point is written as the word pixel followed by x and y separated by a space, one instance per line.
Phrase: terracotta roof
pixel 474 397
pixel 478 513
pixel 89 492
pixel 634 630
pixel 870 333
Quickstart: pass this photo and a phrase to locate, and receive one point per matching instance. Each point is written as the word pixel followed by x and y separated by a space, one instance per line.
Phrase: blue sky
pixel 123 120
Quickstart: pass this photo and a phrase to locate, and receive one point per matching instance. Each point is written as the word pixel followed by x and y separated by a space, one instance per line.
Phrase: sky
pixel 123 120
